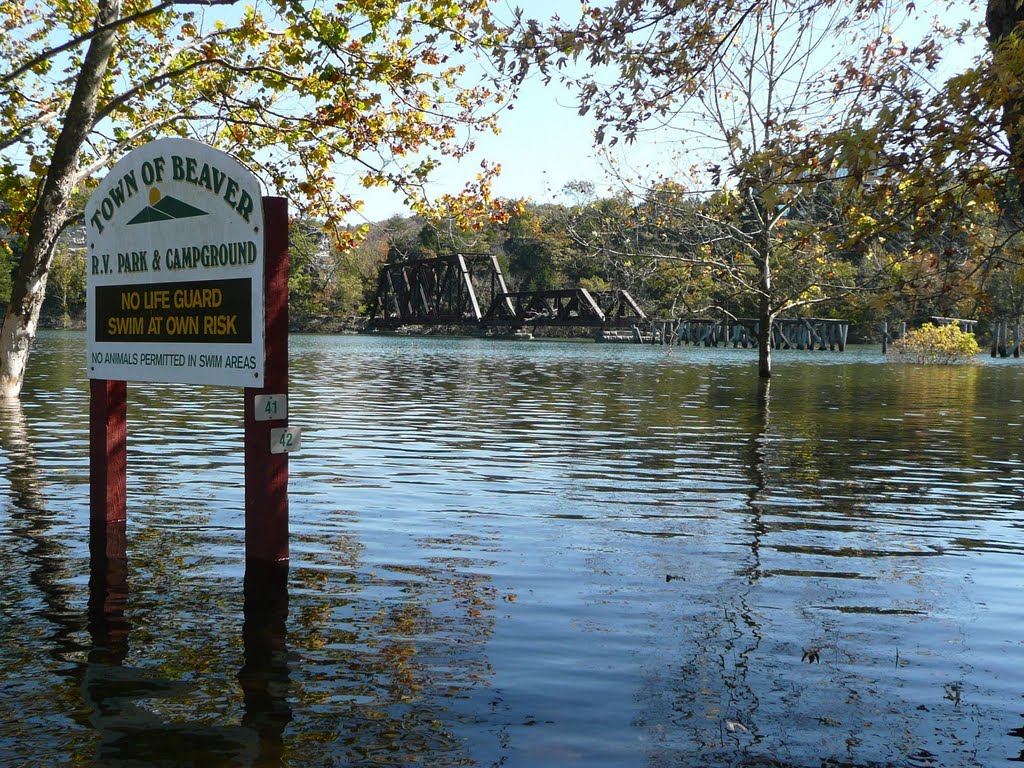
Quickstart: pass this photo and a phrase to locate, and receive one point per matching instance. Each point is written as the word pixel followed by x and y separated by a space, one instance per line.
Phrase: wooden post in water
pixel 1000 332
pixel 108 453
pixel 266 473
pixel 264 678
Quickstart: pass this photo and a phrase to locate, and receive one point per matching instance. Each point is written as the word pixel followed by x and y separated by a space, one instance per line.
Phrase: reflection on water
pixel 121 701
pixel 527 554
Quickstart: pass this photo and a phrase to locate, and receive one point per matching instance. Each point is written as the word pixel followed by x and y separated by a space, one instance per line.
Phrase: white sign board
pixel 174 244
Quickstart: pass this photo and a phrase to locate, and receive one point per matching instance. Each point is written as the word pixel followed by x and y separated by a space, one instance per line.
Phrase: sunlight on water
pixel 528 554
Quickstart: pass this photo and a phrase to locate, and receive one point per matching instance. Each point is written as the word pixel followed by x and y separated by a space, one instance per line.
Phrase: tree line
pixel 679 256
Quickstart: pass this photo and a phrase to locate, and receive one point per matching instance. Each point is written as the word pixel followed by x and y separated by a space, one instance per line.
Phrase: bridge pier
pixel 1002 345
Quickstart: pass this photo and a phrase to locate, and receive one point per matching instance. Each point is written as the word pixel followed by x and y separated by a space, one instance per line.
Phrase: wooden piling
pixel 108 453
pixel 266 474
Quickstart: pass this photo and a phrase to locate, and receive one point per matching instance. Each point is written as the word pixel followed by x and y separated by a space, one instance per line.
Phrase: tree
pixel 292 91
pixel 67 278
pixel 309 267
pixel 768 104
pixel 1003 19
pixel 531 250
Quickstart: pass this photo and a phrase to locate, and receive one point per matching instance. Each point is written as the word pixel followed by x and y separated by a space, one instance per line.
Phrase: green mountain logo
pixel 164 208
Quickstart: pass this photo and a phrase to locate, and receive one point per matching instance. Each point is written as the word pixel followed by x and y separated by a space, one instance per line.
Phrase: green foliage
pixel 937 345
pixel 6 269
pixel 674 253
pixel 595 284
pixel 678 255
pixel 307 272
pixel 66 282
pixel 378 84
pixel 532 252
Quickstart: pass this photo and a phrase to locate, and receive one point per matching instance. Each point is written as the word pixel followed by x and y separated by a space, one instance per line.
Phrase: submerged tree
pixel 937 345
pixel 1003 19
pixel 771 102
pixel 291 89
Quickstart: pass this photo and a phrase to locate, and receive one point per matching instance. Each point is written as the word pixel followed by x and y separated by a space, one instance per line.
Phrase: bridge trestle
pixel 787 333
pixel 438 291
pixel 450 290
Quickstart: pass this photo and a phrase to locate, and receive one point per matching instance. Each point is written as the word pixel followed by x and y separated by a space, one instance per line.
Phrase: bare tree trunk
pixel 765 318
pixel 1002 18
pixel 51 209
pixel 763 261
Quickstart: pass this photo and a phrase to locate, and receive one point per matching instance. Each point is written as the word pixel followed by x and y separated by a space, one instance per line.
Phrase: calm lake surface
pixel 529 554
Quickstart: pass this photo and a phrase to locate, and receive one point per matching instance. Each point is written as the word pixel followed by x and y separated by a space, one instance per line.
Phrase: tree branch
pixel 100 29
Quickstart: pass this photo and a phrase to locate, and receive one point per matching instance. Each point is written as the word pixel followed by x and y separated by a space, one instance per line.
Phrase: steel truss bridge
pixel 469 289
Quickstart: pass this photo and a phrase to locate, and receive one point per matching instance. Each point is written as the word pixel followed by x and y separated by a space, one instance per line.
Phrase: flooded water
pixel 528 554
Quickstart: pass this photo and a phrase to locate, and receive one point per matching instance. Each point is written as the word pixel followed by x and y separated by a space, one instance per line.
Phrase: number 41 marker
pixel 271 407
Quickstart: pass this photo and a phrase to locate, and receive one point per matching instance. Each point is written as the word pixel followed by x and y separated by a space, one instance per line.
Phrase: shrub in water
pixel 937 345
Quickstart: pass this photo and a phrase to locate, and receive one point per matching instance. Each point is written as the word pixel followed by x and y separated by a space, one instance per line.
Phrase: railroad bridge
pixel 469 289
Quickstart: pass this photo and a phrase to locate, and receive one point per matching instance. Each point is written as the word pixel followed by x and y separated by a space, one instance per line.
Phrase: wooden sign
pixel 188 282
pixel 175 256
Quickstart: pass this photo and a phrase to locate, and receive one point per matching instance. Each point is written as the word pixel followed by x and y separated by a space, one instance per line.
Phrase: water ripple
pixel 534 554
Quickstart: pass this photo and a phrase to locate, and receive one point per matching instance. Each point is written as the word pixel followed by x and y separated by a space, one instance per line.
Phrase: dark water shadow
pixel 40 620
pixel 22 469
pixel 265 676
pixel 119 697
pixel 758 469
pixel 741 627
pixel 78 692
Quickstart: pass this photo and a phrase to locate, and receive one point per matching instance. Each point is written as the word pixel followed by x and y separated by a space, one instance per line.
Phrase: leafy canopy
pixel 299 91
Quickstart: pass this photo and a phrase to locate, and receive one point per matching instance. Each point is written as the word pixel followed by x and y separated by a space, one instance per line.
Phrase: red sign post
pixel 266 473
pixel 108 454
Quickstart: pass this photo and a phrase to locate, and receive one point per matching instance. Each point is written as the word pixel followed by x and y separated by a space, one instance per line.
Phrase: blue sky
pixel 543 144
